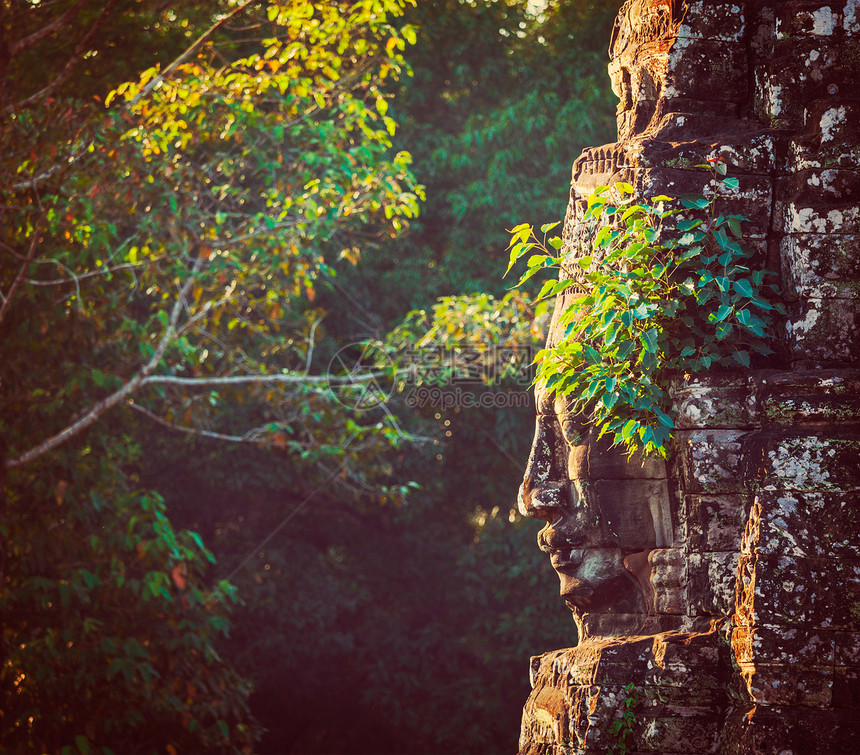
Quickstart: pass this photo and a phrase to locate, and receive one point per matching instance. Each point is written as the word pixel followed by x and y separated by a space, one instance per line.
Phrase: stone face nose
pixel 562 536
pixel 544 490
pixel 544 502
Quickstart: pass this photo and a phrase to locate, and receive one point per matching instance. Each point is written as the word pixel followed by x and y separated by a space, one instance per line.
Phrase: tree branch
pixel 94 413
pixel 35 181
pixel 38 36
pixel 70 65
pixel 25 266
pixel 92 274
pixel 190 51
pixel 292 377
pixel 247 438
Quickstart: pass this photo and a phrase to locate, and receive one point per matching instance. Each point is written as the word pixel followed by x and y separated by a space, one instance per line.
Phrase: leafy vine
pixel 655 298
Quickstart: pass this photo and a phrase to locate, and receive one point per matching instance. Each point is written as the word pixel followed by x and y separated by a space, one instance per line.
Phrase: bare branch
pixel 94 413
pixel 22 272
pixel 38 36
pixel 190 51
pixel 70 65
pixel 247 438
pixel 76 278
pixel 310 355
pixel 281 377
pixel 36 180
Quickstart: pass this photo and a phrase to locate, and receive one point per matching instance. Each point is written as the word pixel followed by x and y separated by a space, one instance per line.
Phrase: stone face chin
pixel 718 596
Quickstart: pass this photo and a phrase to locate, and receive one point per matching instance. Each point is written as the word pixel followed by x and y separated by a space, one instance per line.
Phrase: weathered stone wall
pixel 747 639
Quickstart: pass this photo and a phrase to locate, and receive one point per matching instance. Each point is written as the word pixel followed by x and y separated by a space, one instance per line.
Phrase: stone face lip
pixel 717 597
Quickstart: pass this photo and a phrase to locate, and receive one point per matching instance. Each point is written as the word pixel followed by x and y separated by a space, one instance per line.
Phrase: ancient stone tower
pixel 722 615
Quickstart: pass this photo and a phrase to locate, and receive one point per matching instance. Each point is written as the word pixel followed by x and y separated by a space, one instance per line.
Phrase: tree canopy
pixel 206 206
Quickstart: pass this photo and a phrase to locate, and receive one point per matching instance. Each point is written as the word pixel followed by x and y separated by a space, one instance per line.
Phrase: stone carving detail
pixel 721 592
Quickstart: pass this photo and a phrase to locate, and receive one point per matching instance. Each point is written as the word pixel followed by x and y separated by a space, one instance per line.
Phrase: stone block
pixel 785 684
pixel 816 266
pixel 819 217
pixel 803 397
pixel 743 153
pixel 812 185
pixel 691 661
pixel 667 578
pixel 703 401
pixel 825 732
pixel 710 460
pixel 803 18
pixel 778 730
pixel 846 687
pixel 804 462
pixel 833 125
pixel 772 644
pixel 635 512
pixel 813 593
pixel 608 463
pixel 800 70
pixel 723 21
pixel 715 523
pixel 711 581
pixel 813 152
pixel 707 70
pixel 807 525
pixel 823 332
pixel 847 649
pixel 677 730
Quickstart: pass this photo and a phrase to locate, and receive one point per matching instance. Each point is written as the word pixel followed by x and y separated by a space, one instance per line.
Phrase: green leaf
pixel 628 429
pixel 665 419
pixel 735 226
pixel 742 357
pixel 732 183
pixel 723 311
pixel 547 227
pixel 744 317
pixel 689 225
pixel 694 202
pixel 650 338
pixel 539 259
pixel 592 356
pixel 744 288
pixel 624 188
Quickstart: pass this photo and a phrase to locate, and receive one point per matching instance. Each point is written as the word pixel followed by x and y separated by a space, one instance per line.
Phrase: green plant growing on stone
pixel 664 290
pixel 622 728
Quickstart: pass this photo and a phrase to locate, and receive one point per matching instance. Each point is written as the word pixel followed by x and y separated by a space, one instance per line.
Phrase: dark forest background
pixel 381 595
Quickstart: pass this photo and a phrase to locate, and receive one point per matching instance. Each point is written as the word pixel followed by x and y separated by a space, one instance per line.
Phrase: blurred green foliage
pixel 251 216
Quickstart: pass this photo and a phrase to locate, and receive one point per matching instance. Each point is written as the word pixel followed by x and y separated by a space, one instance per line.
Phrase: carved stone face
pixel 604 516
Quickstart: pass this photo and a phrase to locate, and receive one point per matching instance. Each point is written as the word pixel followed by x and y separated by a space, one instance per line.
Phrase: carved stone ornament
pixel 717 597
